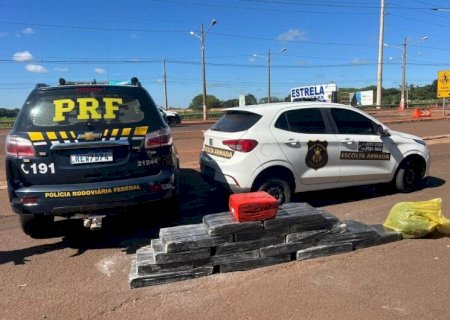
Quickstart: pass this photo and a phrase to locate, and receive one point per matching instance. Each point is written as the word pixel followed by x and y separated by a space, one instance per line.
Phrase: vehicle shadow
pixel 138 225
pixel 135 227
pixel 351 194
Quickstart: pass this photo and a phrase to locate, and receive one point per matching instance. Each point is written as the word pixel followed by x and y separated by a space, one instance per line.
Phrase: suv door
pixel 307 144
pixel 364 154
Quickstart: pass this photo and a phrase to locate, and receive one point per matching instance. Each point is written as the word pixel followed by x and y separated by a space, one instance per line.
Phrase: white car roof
pixel 271 108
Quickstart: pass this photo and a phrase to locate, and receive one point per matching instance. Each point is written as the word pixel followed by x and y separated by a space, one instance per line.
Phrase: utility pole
pixel 380 57
pixel 268 77
pixel 402 97
pixel 166 104
pixel 202 36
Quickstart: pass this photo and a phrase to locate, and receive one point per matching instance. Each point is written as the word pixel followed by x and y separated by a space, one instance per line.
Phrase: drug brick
pixel 162 257
pixel 190 237
pixel 247 245
pixel 284 248
pixel 323 250
pixel 157 278
pixel 223 224
pixel 252 264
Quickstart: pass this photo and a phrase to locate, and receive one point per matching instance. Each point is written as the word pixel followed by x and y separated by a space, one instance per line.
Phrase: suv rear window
pixel 100 106
pixel 235 121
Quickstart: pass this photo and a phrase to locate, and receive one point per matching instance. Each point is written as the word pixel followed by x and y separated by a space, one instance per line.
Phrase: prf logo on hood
pixel 89 136
pixel 317 155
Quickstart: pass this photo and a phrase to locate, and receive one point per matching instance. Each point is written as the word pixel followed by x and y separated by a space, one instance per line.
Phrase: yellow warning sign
pixel 443 84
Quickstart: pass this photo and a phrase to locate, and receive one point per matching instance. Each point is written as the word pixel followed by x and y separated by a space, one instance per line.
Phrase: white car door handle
pixel 348 141
pixel 292 143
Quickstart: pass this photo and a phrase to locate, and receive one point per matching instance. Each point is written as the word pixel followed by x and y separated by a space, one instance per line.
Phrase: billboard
pixel 319 92
pixel 362 98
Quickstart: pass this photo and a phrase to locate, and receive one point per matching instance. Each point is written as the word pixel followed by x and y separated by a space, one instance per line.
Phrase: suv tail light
pixel 242 145
pixel 159 138
pixel 19 147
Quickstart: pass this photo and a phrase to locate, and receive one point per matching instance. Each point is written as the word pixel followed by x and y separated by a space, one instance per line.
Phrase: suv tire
pixel 278 188
pixel 36 225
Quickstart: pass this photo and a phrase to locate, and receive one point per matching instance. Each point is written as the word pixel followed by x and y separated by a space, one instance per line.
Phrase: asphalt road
pixel 78 274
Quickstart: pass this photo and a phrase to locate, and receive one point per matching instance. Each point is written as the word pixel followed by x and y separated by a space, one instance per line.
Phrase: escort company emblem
pixel 89 136
pixel 317 155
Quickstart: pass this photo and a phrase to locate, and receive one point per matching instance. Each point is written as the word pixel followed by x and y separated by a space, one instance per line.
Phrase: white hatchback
pixel 284 148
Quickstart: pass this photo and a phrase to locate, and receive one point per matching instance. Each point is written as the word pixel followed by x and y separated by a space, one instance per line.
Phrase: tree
pixel 211 102
pixel 230 103
pixel 250 99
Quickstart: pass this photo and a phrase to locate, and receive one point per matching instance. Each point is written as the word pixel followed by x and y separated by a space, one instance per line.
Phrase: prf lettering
pixel 88 108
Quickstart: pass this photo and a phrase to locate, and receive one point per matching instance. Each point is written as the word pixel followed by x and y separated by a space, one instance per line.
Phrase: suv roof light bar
pixel 62 82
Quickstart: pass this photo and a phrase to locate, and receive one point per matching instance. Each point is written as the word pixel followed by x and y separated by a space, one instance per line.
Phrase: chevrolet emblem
pixel 89 136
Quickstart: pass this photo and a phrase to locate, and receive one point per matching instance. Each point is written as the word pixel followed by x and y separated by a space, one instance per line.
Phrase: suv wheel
pixel 36 225
pixel 278 188
pixel 407 177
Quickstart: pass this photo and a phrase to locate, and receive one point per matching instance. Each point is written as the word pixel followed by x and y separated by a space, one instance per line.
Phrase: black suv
pixel 88 148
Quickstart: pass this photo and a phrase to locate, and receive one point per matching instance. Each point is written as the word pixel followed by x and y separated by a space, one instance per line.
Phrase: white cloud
pixel 61 69
pixel 22 56
pixel 99 70
pixel 28 31
pixel 134 36
pixel 358 61
pixel 35 68
pixel 293 35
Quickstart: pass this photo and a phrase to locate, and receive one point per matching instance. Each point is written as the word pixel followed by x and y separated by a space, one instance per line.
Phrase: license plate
pixel 91 157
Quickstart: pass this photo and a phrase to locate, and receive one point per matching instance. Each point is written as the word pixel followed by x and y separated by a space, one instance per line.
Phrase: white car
pixel 284 148
pixel 172 118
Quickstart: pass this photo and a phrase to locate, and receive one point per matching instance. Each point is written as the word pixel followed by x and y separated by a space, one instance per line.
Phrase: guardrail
pixel 6 124
pixel 199 116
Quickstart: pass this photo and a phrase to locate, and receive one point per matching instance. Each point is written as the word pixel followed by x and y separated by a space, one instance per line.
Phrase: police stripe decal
pixel 56 137
pixel 36 136
pixel 140 131
pixel 51 135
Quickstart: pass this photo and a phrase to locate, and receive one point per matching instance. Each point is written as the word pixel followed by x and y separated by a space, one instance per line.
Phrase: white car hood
pixel 404 135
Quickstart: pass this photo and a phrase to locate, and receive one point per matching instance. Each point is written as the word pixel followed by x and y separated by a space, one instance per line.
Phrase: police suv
pixel 88 148
pixel 303 146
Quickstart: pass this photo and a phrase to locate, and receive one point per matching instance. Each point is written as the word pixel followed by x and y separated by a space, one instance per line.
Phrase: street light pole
pixel 203 74
pixel 404 48
pixel 269 62
pixel 202 36
pixel 268 77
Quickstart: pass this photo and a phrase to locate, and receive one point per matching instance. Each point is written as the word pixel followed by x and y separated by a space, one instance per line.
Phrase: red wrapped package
pixel 253 206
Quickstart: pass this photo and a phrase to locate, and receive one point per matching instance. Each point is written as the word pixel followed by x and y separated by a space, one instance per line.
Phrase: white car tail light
pixel 158 138
pixel 19 147
pixel 242 145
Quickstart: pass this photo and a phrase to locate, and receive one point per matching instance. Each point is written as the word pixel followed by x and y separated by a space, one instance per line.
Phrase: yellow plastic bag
pixel 417 219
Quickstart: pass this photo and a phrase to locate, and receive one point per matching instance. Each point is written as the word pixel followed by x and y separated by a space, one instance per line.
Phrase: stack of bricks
pixel 222 244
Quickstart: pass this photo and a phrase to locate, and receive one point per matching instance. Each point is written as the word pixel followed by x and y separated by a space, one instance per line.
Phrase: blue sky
pixel 325 40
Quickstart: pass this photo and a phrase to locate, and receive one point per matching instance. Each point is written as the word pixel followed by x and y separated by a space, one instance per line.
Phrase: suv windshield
pixel 71 106
pixel 235 121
